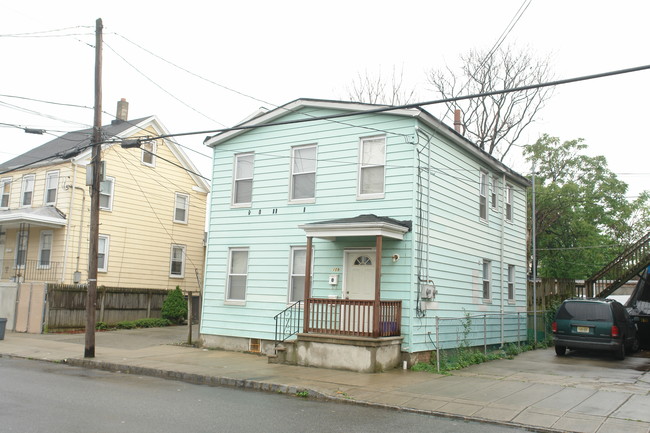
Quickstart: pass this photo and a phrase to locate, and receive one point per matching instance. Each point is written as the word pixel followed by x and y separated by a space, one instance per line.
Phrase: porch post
pixel 307 285
pixel 375 316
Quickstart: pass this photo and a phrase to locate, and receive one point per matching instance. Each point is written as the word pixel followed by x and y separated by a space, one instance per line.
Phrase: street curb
pixel 200 379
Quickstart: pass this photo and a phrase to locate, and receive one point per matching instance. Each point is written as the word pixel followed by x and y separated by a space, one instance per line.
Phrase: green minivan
pixel 594 324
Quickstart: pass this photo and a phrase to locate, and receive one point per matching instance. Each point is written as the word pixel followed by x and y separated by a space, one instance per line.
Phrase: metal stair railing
pixel 288 322
pixel 620 270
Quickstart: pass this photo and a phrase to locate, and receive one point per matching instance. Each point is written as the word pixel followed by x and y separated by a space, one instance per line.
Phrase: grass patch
pixel 465 356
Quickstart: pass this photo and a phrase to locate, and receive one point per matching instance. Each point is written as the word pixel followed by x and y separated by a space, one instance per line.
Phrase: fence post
pixel 485 334
pixel 102 305
pixel 437 344
pixel 518 328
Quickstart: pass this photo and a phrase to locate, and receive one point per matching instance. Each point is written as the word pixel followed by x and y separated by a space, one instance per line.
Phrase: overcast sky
pixel 273 52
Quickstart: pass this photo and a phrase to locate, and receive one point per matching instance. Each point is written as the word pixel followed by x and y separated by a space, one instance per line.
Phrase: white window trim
pixel 292 175
pixel 48 176
pixel 3 182
pixel 483 187
pixel 154 148
pixel 39 264
pixel 511 281
pixel 486 278
pixel 25 181
pixel 291 273
pixel 112 194
pixel 171 259
pixel 235 179
pixel 230 301
pixel 494 193
pixel 187 207
pixel 508 200
pixel 376 195
pixel 107 248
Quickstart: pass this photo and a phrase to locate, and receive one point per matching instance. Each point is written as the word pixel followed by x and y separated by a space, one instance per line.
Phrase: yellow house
pixel 152 211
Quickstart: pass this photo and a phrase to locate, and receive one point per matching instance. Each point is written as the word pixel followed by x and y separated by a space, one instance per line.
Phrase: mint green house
pixel 350 234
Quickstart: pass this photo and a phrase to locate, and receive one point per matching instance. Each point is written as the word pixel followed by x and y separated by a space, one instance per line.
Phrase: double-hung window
pixel 297 274
pixel 27 193
pixel 487 277
pixel 181 208
pixel 509 202
pixel 303 173
pixel 493 192
pixel 45 249
pixel 237 274
pixel 242 189
pixel 5 190
pixel 511 282
pixel 102 253
pixel 149 153
pixel 51 185
pixel 106 194
pixel 372 162
pixel 483 192
pixel 177 261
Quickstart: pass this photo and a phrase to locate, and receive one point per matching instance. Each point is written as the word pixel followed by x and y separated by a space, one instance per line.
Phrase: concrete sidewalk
pixel 536 390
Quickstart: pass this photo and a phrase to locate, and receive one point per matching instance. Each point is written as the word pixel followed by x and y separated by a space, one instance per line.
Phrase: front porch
pixel 351 332
pixel 30 238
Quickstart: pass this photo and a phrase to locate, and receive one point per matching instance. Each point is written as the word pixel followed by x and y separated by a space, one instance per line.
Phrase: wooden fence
pixel 550 289
pixel 65 306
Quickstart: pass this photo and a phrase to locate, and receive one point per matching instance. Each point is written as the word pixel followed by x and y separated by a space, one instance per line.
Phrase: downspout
pixel 69 223
pixel 501 247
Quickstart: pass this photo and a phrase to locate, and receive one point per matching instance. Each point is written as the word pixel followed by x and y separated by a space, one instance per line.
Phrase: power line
pixel 229 88
pixel 417 105
pixel 46 102
pixel 160 87
pixel 42 33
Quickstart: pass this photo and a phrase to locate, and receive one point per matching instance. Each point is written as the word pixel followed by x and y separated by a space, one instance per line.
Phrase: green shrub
pixel 102 326
pixel 152 323
pixel 127 324
pixel 174 306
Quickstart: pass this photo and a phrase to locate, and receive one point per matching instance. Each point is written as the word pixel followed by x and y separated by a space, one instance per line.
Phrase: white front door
pixel 359 284
pixel 359 275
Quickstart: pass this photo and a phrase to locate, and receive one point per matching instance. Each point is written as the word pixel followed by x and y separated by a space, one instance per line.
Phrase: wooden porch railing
pixel 353 317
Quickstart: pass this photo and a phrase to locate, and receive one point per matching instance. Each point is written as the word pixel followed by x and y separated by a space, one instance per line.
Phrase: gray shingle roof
pixel 366 218
pixel 65 147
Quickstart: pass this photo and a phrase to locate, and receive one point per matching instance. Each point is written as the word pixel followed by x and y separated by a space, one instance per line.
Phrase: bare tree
pixel 377 89
pixel 495 123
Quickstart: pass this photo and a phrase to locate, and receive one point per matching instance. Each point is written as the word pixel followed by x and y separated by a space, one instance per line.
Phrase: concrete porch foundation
pixel 361 354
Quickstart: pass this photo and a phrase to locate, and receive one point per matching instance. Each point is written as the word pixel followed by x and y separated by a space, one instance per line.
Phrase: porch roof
pixel 362 225
pixel 47 216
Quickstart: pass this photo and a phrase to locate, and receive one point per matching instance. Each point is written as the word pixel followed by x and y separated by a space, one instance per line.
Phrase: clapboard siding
pixel 457 240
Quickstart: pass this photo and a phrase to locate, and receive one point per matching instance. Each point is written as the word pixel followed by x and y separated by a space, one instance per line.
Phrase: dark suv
pixel 594 324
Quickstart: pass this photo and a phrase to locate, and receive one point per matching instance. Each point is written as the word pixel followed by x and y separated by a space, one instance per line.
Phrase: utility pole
pixel 91 299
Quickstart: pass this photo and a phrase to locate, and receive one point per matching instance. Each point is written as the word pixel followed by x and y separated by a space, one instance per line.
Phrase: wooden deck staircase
pixel 626 266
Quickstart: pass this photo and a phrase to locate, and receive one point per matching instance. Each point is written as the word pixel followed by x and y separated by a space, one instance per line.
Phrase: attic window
pixel 149 153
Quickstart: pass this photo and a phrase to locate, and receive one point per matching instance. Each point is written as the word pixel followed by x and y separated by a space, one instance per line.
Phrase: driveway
pixel 581 369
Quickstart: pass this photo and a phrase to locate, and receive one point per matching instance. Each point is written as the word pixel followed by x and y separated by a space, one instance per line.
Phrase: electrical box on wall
pixel 428 291
pixel 333 280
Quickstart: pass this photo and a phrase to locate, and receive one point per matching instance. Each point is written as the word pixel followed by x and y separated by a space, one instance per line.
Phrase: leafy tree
pixel 174 306
pixel 495 123
pixel 583 219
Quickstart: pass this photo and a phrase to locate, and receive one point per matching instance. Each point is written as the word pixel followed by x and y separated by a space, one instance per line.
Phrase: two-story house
pixel 361 224
pixel 152 211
